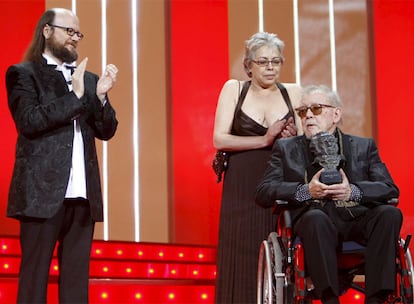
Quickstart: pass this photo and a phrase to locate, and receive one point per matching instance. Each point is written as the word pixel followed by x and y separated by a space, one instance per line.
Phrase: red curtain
pixel 394 49
pixel 18 21
pixel 199 50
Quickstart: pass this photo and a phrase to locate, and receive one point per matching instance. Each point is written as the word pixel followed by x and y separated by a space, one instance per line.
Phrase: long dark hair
pixel 37 46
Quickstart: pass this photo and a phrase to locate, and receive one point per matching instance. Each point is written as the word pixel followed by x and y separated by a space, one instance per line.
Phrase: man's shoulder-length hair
pixel 37 46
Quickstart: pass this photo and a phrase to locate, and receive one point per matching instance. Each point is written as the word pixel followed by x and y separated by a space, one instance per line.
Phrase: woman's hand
pixel 274 130
pixel 290 129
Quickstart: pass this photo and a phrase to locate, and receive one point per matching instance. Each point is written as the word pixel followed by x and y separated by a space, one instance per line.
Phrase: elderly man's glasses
pixel 263 62
pixel 70 31
pixel 316 109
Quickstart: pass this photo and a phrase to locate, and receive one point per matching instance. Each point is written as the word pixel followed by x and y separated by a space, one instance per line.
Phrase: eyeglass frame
pixel 69 30
pixel 315 108
pixel 261 62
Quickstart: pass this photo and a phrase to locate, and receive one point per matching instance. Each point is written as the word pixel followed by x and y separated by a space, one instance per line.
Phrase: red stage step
pixel 128 272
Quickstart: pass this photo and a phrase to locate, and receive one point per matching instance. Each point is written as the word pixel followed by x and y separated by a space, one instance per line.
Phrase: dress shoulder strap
pixel 242 95
pixel 241 98
pixel 286 98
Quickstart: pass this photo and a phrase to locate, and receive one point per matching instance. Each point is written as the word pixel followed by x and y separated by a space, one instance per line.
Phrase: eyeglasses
pixel 70 31
pixel 316 109
pixel 263 62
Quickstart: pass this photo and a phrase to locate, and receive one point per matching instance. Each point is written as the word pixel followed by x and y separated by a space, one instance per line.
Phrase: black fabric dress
pixel 243 224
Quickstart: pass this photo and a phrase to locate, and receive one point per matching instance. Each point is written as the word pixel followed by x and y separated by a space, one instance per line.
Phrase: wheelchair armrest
pixel 281 203
pixel 393 201
pixel 281 208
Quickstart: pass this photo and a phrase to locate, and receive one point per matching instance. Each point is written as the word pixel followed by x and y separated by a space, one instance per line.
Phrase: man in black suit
pixel 325 214
pixel 55 190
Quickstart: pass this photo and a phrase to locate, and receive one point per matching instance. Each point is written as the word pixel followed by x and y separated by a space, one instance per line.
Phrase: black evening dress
pixel 243 224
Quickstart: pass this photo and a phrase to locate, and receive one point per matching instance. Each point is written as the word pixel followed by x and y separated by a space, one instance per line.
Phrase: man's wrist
pixel 103 99
pixel 356 193
pixel 302 193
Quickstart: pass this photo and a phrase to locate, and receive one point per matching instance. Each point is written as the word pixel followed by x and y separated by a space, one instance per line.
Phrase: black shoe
pixel 378 298
pixel 331 300
pixel 328 297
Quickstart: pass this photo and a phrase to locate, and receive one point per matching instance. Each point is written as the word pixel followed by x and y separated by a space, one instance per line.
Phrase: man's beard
pixel 60 51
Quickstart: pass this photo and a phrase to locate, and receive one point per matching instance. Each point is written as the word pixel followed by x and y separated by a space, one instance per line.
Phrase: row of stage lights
pixel 131 270
pixel 117 294
pixel 125 250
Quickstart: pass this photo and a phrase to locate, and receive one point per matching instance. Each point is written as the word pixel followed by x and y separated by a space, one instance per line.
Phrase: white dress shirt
pixel 77 178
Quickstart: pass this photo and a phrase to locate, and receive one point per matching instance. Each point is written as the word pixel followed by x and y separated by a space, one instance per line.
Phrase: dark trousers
pixel 322 230
pixel 72 228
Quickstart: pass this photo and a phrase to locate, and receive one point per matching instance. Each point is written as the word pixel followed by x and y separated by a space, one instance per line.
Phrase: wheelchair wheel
pixel 407 295
pixel 270 276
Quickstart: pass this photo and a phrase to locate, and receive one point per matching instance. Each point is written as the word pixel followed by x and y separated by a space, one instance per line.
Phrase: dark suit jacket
pixel 291 158
pixel 43 110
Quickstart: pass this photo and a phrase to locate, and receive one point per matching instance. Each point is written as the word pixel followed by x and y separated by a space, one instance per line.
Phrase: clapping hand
pixel 106 81
pixel 78 84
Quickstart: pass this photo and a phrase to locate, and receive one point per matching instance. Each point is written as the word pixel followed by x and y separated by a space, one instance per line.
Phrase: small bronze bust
pixel 324 147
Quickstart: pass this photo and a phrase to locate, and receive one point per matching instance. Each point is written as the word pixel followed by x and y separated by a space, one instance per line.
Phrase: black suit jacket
pixel 43 110
pixel 291 158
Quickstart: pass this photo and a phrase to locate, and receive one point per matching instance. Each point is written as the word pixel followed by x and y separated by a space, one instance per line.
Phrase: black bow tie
pixel 70 67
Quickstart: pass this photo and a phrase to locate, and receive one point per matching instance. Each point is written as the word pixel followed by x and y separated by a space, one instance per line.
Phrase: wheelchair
pixel 281 276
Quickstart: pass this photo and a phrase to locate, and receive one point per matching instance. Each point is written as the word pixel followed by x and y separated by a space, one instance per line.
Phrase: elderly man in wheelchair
pixel 336 189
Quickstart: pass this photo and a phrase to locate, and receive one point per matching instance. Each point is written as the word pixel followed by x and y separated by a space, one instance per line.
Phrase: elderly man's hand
pixel 340 192
pixel 337 192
